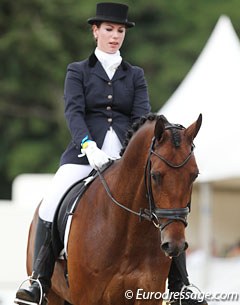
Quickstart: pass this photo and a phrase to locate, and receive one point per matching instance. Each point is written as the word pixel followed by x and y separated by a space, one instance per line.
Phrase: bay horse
pixel 131 220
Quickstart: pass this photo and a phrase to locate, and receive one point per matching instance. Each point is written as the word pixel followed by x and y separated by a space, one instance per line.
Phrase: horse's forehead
pixel 174 137
pixel 175 146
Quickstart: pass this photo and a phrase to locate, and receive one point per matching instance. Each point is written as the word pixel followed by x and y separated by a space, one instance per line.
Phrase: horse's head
pixel 170 172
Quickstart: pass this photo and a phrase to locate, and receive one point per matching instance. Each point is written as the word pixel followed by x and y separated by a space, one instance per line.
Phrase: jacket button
pixel 109 120
pixel 109 83
pixel 109 96
pixel 109 108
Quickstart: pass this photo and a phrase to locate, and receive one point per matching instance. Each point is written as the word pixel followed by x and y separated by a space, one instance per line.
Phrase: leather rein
pixel 155 214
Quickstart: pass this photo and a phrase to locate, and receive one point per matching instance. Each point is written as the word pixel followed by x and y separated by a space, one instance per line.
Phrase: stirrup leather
pixel 42 299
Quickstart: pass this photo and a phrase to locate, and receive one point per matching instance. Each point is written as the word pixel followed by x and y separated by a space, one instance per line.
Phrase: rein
pixel 155 214
pixel 113 199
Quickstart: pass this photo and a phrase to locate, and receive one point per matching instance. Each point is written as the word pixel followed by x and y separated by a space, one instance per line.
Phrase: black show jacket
pixel 93 103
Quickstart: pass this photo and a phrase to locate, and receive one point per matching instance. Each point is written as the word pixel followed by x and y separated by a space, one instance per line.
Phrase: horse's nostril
pixel 165 247
pixel 173 249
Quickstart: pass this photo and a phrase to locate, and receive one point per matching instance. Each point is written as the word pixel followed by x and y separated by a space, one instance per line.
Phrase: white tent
pixel 212 87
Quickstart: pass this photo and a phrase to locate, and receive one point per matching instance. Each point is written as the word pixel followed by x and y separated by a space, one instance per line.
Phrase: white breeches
pixel 68 174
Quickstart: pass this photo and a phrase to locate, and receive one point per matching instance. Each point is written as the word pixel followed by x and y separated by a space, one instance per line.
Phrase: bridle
pixel 155 214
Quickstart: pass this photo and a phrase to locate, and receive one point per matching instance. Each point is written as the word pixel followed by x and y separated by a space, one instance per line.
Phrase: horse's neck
pixel 126 181
pixel 131 170
pixel 140 236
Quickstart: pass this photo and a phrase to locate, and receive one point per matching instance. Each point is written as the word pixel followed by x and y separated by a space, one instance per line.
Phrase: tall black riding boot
pixel 178 275
pixel 177 279
pixel 43 266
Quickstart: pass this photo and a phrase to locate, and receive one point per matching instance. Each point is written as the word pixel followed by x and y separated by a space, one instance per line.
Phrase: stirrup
pixel 23 302
pixel 187 286
pixel 181 291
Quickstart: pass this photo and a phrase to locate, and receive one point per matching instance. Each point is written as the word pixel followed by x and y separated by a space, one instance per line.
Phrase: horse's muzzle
pixel 174 248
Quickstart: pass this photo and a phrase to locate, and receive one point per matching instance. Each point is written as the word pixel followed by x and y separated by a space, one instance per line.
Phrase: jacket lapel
pixel 121 72
pixel 100 72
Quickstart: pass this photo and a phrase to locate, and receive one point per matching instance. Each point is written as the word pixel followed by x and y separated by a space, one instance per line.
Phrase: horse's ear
pixel 193 129
pixel 160 127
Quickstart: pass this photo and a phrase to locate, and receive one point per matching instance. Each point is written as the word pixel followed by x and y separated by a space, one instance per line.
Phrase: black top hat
pixel 112 12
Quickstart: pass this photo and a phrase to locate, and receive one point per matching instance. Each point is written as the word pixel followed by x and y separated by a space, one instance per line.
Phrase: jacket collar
pixel 92 60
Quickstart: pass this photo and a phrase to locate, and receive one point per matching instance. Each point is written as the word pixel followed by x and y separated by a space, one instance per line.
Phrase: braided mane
pixel 135 126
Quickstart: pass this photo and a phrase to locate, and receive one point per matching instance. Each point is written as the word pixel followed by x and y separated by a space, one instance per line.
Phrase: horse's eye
pixel 156 176
pixel 194 176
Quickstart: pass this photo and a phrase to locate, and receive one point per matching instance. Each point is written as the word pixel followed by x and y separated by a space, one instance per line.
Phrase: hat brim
pixel 93 20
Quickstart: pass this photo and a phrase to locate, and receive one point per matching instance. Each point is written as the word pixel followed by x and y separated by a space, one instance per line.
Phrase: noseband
pixel 155 214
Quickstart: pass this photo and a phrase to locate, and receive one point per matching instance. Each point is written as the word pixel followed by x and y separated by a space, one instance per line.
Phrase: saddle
pixel 66 208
